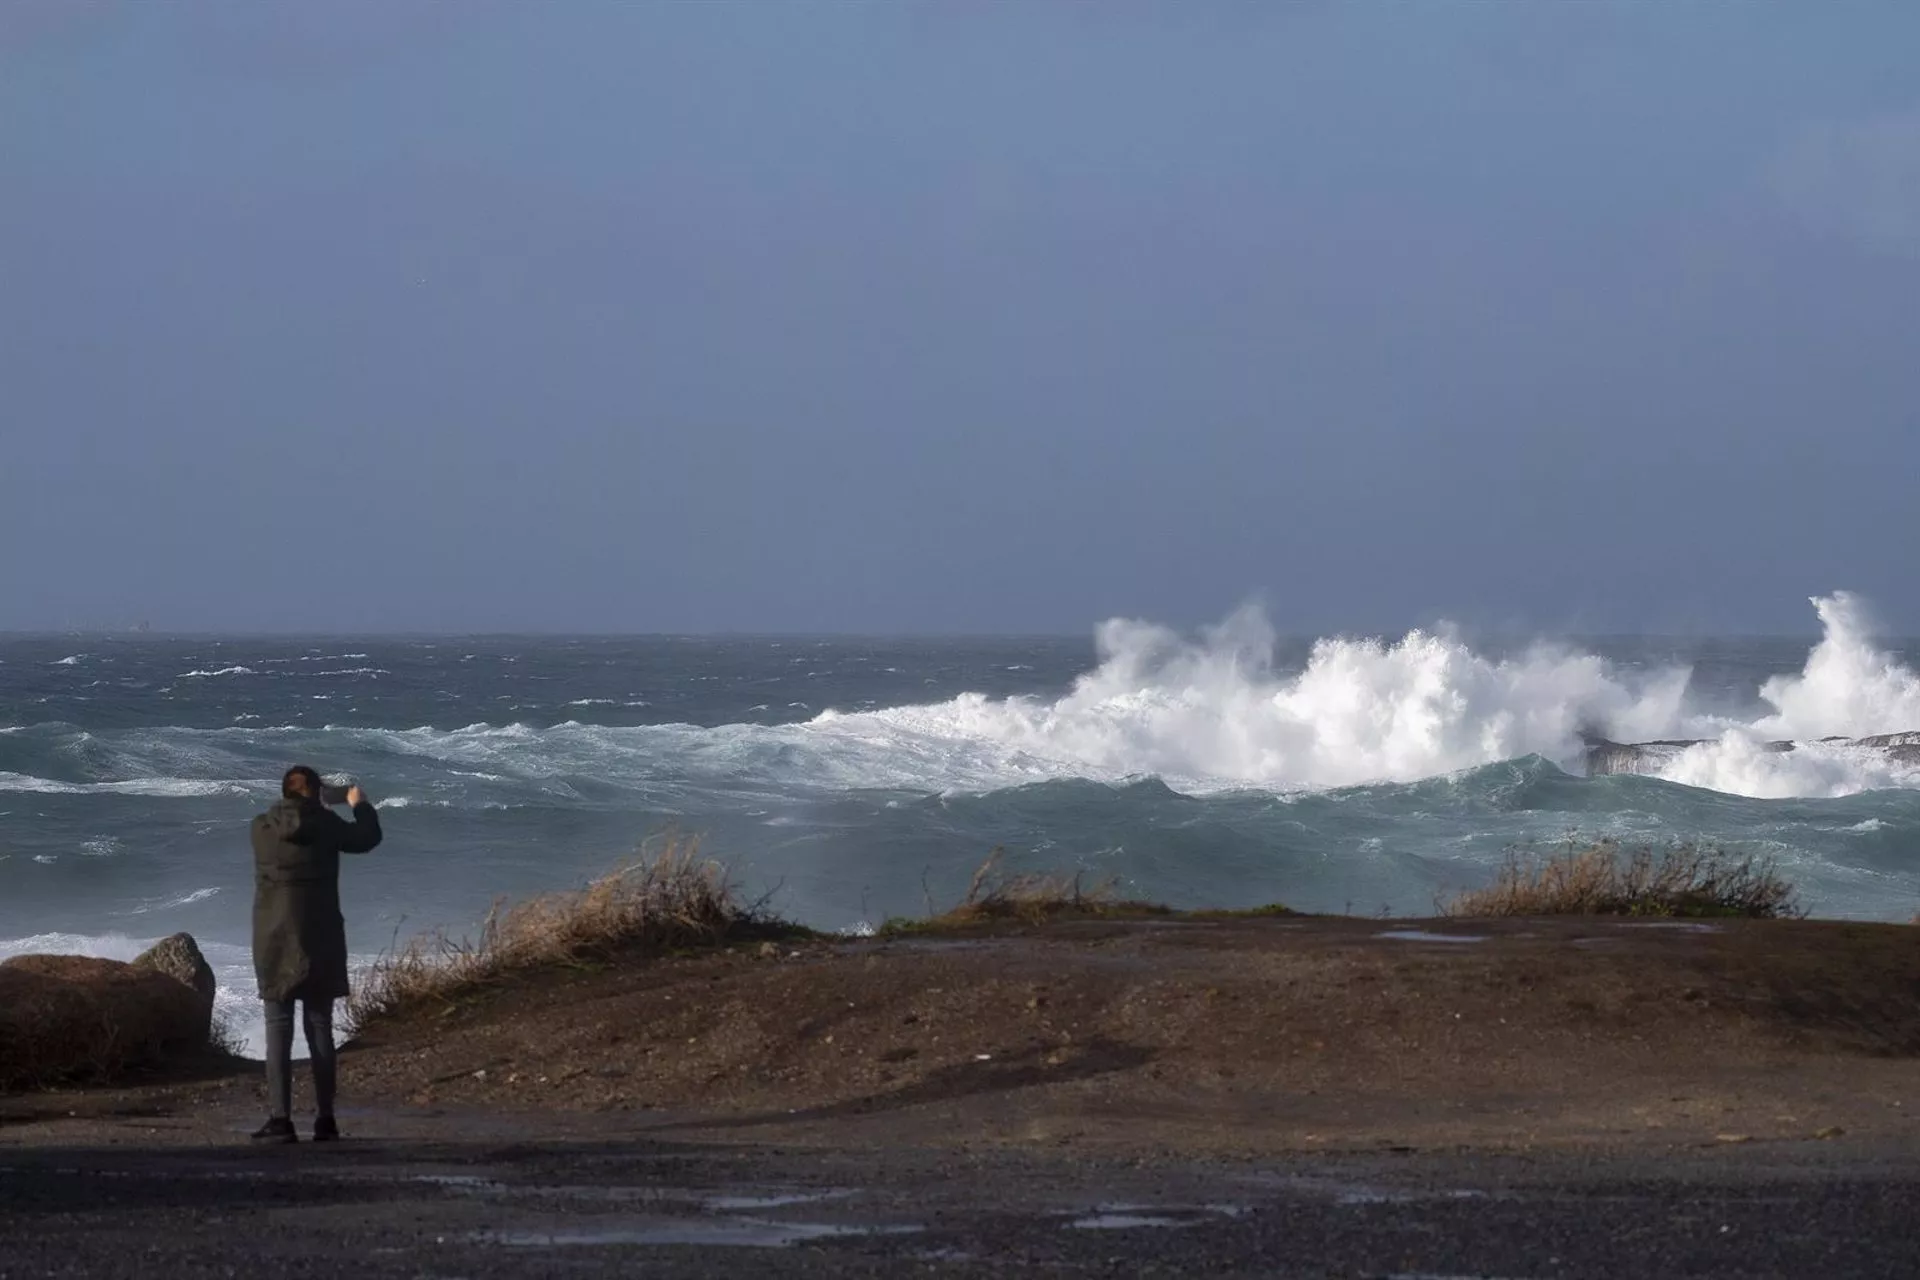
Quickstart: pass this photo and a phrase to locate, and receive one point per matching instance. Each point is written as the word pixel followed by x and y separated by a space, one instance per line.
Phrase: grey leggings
pixel 318 1019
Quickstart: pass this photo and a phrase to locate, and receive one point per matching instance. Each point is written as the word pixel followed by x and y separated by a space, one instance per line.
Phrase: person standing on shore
pixel 300 937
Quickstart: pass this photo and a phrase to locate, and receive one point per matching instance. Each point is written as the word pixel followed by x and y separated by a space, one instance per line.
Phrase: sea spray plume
pixel 1740 763
pixel 1848 687
pixel 1214 712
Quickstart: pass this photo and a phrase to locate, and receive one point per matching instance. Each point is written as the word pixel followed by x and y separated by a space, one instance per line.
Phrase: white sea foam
pixel 164 788
pixel 1740 762
pixel 1213 713
pixel 222 671
pixel 1848 687
pixel 1208 714
pixel 1205 714
pixel 72 660
pixel 170 901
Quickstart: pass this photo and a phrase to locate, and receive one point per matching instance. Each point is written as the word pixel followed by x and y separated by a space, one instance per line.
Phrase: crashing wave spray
pixel 1848 687
pixel 1213 713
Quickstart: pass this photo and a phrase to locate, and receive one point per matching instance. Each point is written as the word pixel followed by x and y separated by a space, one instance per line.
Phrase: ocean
pixel 852 779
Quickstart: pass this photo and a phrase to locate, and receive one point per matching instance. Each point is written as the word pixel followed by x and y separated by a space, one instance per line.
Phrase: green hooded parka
pixel 299 935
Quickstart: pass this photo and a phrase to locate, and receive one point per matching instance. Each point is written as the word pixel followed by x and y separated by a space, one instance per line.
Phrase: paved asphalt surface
pixel 374 1209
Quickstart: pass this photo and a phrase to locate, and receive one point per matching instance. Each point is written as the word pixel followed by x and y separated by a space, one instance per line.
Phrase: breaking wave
pixel 165 788
pixel 1214 713
pixel 1207 714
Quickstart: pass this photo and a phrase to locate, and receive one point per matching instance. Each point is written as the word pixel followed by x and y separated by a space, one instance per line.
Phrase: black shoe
pixel 326 1129
pixel 278 1129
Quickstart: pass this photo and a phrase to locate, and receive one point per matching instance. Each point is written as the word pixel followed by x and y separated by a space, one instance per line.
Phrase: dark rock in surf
pixel 1604 756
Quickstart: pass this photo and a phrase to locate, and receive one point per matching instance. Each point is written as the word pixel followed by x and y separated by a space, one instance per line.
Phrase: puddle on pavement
pixel 1116 1217
pixel 1684 926
pixel 751 1233
pixel 1119 1221
pixel 759 1198
pixel 1421 935
pixel 1376 1195
pixel 772 1200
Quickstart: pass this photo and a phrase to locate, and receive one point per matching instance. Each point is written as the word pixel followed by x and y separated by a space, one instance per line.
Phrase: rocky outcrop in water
pixel 1605 756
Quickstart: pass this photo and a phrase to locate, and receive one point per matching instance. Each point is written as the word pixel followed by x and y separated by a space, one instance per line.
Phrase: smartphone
pixel 334 788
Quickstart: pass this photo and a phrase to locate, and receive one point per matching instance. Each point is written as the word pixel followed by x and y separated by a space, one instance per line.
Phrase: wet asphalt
pixel 374 1209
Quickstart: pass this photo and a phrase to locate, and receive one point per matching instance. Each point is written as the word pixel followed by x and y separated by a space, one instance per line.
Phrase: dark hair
pixel 300 781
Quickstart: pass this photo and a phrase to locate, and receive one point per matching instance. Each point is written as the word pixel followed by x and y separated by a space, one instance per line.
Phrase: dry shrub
pixel 670 901
pixel 1027 898
pixel 1684 880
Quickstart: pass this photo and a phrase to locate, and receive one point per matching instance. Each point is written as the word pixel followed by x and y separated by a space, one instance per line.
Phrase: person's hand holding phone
pixel 355 797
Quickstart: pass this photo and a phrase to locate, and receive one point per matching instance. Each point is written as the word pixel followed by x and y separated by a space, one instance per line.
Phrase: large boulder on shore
pixel 69 1018
pixel 178 956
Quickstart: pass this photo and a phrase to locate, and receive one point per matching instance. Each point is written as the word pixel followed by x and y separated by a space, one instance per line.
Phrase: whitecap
pixel 150 905
pixel 1739 762
pixel 162 788
pixel 1214 713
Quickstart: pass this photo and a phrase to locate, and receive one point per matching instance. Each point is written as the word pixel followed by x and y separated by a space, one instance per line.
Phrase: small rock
pixel 1831 1131
pixel 178 956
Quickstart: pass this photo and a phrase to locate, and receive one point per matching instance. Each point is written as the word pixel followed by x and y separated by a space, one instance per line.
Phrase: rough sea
pixel 857 778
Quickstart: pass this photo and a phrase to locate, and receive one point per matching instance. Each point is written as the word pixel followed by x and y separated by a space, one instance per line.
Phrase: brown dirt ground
pixel 1236 1035
pixel 1253 1029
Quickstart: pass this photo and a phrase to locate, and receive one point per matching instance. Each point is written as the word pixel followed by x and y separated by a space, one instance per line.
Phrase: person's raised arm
pixel 363 833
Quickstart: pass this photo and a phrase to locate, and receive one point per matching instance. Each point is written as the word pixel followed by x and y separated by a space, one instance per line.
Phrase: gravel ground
pixel 496 1206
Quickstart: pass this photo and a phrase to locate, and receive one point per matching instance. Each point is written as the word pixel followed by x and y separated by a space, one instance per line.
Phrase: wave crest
pixel 1213 712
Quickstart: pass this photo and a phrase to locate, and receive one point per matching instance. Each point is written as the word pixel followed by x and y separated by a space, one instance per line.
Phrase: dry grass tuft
pixel 995 895
pixel 672 901
pixel 1685 880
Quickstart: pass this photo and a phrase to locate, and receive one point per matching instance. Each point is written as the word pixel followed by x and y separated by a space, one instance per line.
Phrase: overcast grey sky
pixel 955 316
